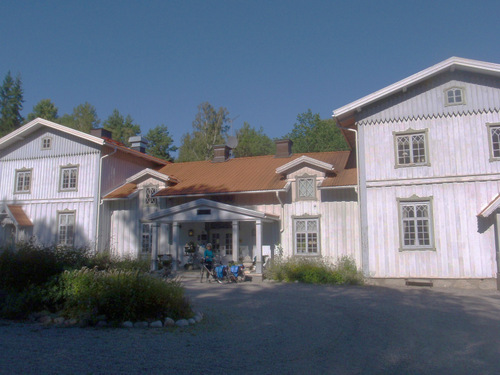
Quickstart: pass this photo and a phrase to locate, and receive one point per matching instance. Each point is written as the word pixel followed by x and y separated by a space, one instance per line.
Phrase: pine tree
pixel 11 104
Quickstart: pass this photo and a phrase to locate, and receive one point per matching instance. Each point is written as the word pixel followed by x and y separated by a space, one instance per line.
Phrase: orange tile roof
pixel 248 174
pixel 122 192
pixel 120 146
pixel 19 215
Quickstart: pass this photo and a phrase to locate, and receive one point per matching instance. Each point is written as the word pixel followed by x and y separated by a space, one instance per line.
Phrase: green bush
pixel 122 295
pixel 314 271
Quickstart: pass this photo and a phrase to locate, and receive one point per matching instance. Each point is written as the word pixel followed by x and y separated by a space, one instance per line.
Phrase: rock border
pixel 47 319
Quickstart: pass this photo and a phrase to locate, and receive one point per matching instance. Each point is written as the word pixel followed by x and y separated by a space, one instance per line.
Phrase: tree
pixel 83 118
pixel 122 128
pixel 11 104
pixel 209 128
pixel 311 134
pixel 252 142
pixel 160 143
pixel 45 109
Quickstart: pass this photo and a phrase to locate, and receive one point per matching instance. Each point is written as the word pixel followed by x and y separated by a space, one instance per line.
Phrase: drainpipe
pixel 358 195
pixel 282 226
pixel 97 221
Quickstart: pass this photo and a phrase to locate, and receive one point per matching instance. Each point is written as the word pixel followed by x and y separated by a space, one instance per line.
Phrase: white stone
pixel 182 323
pixel 169 322
pixel 156 324
pixel 127 324
pixel 197 318
pixel 59 320
pixel 191 321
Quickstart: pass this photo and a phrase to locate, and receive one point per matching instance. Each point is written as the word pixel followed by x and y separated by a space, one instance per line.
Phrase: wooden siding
pixel 457 146
pixel 45 225
pixel 427 99
pixel 464 244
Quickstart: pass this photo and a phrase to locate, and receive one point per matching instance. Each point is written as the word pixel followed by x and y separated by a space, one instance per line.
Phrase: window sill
pixel 402 250
pixel 397 166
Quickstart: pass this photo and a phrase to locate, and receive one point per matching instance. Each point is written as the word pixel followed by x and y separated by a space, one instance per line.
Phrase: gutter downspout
pixel 282 225
pixel 358 195
pixel 100 202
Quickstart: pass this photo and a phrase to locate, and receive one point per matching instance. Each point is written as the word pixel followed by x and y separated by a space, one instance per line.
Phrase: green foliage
pixel 315 271
pixel 311 134
pixel 45 109
pixel 209 128
pixel 160 143
pixel 122 128
pixel 122 295
pixel 84 118
pixel 252 142
pixel 11 104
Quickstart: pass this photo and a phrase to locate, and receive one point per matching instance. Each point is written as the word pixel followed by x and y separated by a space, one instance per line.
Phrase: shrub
pixel 314 271
pixel 122 295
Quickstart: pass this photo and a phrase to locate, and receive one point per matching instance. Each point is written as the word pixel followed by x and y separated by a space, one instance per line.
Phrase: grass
pixel 315 271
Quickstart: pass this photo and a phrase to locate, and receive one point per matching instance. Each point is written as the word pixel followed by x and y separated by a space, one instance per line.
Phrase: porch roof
pixel 18 216
pixel 206 210
pixel 491 207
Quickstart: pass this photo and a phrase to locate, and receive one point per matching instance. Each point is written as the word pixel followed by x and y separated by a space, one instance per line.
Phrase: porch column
pixel 258 246
pixel 236 241
pixel 154 246
pixel 175 243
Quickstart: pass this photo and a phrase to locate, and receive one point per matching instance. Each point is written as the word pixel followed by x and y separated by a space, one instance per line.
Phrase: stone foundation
pixel 487 284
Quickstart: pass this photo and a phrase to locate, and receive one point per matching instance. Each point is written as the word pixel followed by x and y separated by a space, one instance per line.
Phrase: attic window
pixel 203 212
pixel 455 96
pixel 46 143
pixel 149 198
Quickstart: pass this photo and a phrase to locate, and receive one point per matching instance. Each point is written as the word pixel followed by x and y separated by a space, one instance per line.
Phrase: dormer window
pixel 306 187
pixel 455 96
pixel 46 143
pixel 149 198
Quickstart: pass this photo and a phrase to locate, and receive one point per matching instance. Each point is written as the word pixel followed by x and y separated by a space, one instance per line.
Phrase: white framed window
pixel 306 236
pixel 68 180
pixel 494 140
pixel 454 96
pixel 66 228
pixel 306 187
pixel 149 198
pixel 146 237
pixel 229 243
pixel 46 143
pixel 23 181
pixel 411 149
pixel 416 228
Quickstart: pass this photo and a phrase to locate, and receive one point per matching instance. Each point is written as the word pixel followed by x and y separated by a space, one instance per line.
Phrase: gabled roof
pixel 491 207
pixel 15 215
pixel 148 172
pixel 32 126
pixel 449 64
pixel 188 212
pixel 251 174
pixel 305 160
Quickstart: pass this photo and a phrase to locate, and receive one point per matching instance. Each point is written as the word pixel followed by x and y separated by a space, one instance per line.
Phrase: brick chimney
pixel 283 148
pixel 101 133
pixel 138 143
pixel 221 153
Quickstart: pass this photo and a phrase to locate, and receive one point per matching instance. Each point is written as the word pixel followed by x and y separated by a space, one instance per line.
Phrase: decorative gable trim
pixel 149 172
pixel 193 208
pixel 449 64
pixel 305 160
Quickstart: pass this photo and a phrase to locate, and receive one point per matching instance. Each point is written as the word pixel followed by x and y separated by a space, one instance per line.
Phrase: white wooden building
pixel 429 172
pixel 51 178
pixel 244 206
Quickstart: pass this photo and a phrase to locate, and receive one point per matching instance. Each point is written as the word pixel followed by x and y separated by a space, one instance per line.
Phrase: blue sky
pixel 265 61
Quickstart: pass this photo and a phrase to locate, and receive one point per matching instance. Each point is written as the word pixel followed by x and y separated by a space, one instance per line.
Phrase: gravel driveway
pixel 281 329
